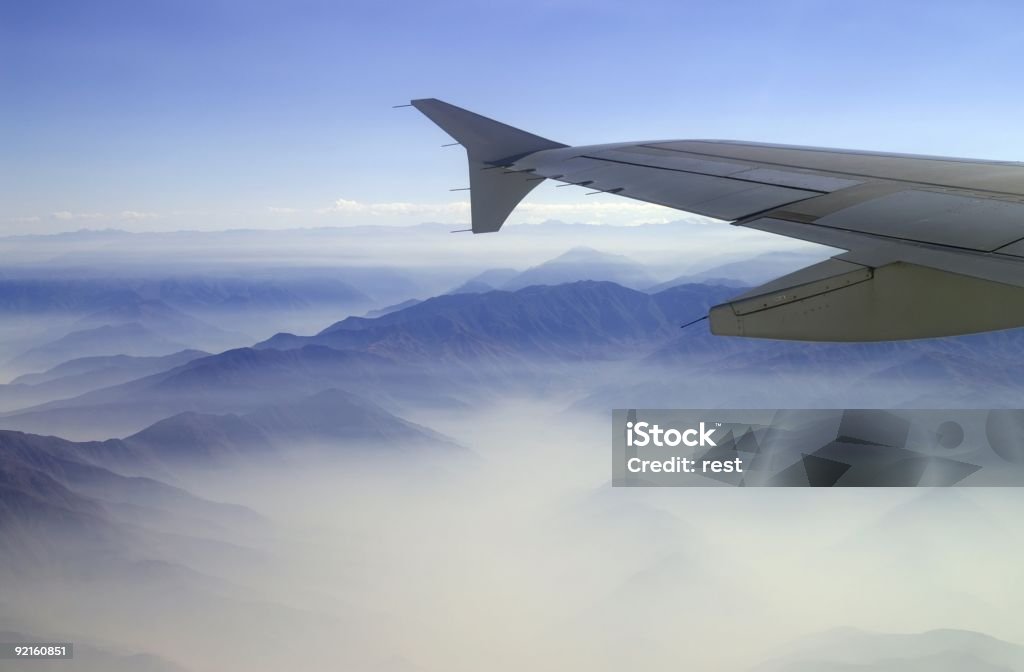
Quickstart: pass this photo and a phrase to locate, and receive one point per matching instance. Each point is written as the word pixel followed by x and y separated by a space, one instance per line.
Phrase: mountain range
pixel 585 263
pixel 580 263
pixel 77 488
pixel 457 348
pixel 749 272
pixel 133 327
pixel 84 296
pixel 334 421
pixel 569 322
pixel 853 650
pixel 116 507
pixel 78 376
pixel 60 510
pixel 433 352
pixel 132 338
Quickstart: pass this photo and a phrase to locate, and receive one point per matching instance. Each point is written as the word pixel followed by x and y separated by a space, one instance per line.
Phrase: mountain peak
pixel 583 263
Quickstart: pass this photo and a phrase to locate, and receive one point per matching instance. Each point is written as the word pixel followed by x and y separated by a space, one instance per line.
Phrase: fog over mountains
pixel 396 466
pixel 565 322
pixel 934 651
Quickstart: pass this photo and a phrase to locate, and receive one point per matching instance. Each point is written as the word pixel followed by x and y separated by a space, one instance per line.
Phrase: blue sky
pixel 218 114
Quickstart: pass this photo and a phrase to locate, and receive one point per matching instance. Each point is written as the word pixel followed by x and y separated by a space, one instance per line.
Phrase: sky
pixel 219 114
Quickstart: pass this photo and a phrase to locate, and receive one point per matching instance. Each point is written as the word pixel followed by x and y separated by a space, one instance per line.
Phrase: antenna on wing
pixel 690 324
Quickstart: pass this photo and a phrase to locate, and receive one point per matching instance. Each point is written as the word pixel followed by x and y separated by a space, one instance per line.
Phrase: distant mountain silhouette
pixel 55 500
pixel 852 650
pixel 104 537
pixel 266 375
pixel 201 440
pixel 441 348
pixel 468 287
pixel 40 517
pixel 460 345
pixel 256 294
pixel 581 263
pixel 940 662
pixel 333 420
pixel 749 272
pixel 137 366
pixel 129 338
pixel 487 281
pixel 86 468
pixel 567 322
pixel 79 295
pixel 390 309
pixel 83 296
pixel 78 376
pixel 30 494
pixel 236 381
pixel 156 315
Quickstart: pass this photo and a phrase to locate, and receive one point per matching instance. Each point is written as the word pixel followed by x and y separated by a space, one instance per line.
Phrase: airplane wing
pixel 934 246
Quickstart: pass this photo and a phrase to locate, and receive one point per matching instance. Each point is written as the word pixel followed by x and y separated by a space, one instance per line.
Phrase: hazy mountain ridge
pixel 226 406
pixel 940 662
pixel 464 344
pixel 62 517
pixel 336 422
pixel 84 365
pixel 488 281
pixel 578 264
pixel 128 338
pixel 575 265
pixel 85 374
pixel 87 295
pixel 751 271
pixel 392 308
pixel 239 380
pixel 46 526
pixel 162 318
pixel 76 467
pixel 565 322
pixel 850 650
pixel 82 296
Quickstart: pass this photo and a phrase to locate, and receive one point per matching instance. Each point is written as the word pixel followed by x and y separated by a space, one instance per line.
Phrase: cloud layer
pixel 347 211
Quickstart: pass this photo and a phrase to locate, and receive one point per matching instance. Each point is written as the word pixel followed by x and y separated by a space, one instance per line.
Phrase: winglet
pixel 489 144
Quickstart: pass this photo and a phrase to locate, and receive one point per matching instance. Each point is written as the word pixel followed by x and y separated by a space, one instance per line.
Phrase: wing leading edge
pixel 934 246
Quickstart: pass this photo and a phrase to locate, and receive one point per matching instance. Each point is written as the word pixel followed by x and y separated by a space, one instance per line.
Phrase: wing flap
pixel 874 250
pixel 897 301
